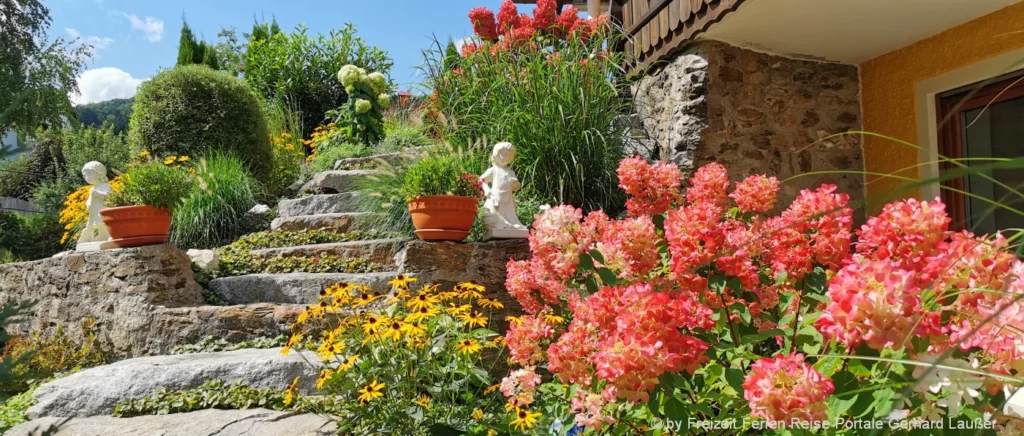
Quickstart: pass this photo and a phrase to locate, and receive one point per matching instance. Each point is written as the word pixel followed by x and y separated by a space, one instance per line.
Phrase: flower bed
pixel 699 309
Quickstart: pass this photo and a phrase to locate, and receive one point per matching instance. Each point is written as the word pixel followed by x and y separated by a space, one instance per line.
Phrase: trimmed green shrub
pixel 215 212
pixel 193 110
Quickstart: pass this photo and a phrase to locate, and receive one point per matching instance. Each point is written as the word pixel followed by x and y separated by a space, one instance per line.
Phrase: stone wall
pixel 120 289
pixel 756 113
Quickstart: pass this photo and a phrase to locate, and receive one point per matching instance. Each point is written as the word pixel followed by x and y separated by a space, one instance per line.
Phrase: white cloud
pixel 101 84
pixel 151 27
pixel 98 43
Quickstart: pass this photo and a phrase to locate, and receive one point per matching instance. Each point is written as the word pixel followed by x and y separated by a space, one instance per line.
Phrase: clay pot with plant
pixel 139 212
pixel 443 198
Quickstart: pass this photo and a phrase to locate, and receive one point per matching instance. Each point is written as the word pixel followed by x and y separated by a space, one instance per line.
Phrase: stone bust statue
pixel 94 235
pixel 500 184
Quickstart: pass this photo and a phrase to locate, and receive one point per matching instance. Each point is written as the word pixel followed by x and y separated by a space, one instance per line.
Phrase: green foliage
pixel 329 153
pixel 213 394
pixel 442 174
pixel 281 238
pixel 301 69
pixel 399 135
pixel 114 112
pixel 230 52
pixel 362 117
pixel 19 177
pixel 41 356
pixel 192 110
pixel 211 344
pixel 286 142
pixel 30 236
pixel 152 184
pixel 12 411
pixel 186 45
pixel 559 110
pixel 37 73
pixel 241 263
pixel 215 211
pixel 82 145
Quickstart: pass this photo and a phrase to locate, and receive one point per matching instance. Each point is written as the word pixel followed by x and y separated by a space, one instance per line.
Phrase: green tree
pixel 36 75
pixel 230 52
pixel 186 44
pixel 210 56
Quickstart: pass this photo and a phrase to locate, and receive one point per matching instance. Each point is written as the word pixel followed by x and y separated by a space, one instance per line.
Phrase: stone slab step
pixel 381 251
pixel 333 222
pixel 339 181
pixel 248 422
pixel 95 391
pixel 294 288
pixel 318 204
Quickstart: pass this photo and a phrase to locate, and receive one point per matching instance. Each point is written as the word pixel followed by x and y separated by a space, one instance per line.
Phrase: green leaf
pixel 597 256
pixel 591 284
pixel 838 406
pixel 742 310
pixel 758 337
pixel 676 410
pixel 607 276
pixel 884 399
pixel 735 378
pixel 586 264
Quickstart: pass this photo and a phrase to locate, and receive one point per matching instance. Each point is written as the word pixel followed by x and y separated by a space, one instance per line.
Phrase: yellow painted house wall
pixel 888 90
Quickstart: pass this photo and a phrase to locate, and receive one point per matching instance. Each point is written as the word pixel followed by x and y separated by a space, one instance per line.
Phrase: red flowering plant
pixel 701 309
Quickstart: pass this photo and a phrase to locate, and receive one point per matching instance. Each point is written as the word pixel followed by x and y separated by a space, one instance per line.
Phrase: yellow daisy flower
pixel 473 319
pixel 422 314
pixel 458 310
pixel 144 153
pixel 324 376
pixel 525 419
pixel 348 363
pixel 292 341
pixel 468 346
pixel 515 320
pixel 170 160
pixel 371 392
pixel 477 414
pixel 289 393
pixel 490 303
pixel 496 342
pixel 414 329
pixel 402 281
pixel 553 319
pixel 421 301
pixel 184 159
pixel 492 388
pixel 394 330
pixel 424 402
pixel 374 323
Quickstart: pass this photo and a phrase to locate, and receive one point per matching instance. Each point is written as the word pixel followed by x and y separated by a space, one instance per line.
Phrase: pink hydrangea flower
pixel 545 14
pixel 873 302
pixel 627 246
pixel 484 25
pixel 815 229
pixel 694 235
pixel 524 339
pixel 519 386
pixel 508 16
pixel 756 193
pixel 709 185
pixel 652 188
pixel 589 410
pixel 786 387
pixel 907 231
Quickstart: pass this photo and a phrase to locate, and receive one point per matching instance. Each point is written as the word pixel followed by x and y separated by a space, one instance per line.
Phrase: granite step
pixel 292 288
pixel 340 181
pixel 318 205
pixel 380 251
pixel 333 222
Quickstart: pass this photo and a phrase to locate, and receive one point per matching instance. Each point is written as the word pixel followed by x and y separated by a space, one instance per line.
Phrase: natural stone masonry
pixel 756 113
pixel 250 422
pixel 171 326
pixel 95 391
pixel 340 181
pixel 380 251
pixel 295 288
pixel 119 289
pixel 334 222
pixel 318 204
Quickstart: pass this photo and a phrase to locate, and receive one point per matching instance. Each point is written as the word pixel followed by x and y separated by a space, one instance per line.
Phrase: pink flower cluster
pixel 519 386
pixel 786 387
pixel 652 188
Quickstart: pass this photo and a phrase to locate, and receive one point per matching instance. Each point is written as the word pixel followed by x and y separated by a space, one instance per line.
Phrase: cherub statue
pixel 94 235
pixel 500 185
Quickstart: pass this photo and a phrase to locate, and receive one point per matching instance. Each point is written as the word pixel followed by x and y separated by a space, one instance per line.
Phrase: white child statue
pixel 94 235
pixel 500 185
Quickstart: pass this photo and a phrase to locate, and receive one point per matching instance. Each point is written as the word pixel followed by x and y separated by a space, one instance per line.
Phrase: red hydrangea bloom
pixel 652 188
pixel 508 16
pixel 545 14
pixel 709 184
pixel 628 246
pixel 873 302
pixel 582 30
pixel 569 356
pixel 589 410
pixel 524 339
pixel 907 231
pixel 786 387
pixel 694 235
pixel 554 240
pixel 756 193
pixel 484 25
pixel 815 229
pixel 567 19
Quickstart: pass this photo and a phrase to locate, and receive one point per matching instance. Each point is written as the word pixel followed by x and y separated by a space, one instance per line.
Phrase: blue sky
pixel 135 39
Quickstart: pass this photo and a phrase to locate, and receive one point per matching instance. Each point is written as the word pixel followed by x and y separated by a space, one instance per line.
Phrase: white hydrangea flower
pixel 383 101
pixel 962 387
pixel 350 74
pixel 377 82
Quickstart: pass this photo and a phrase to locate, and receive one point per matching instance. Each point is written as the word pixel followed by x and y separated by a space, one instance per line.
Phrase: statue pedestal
pixel 95 246
pixel 505 234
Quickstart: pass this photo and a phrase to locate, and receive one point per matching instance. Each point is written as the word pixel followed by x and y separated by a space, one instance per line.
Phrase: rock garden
pixel 263 254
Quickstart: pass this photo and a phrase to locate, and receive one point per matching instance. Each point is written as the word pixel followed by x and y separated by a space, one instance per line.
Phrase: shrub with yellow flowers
pixel 74 213
pixel 408 362
pixel 288 159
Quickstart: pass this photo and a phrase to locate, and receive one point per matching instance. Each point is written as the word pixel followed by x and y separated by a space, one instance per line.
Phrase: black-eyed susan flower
pixel 169 160
pixel 473 319
pixel 470 293
pixel 468 346
pixel 422 300
pixel 460 309
pixel 394 330
pixel 525 419
pixel 325 375
pixel 414 329
pixel 330 348
pixel 371 392
pixel 423 314
pixel 423 401
pixel 289 394
pixel 490 303
pixel 348 363
pixel 292 341
pixel 514 320
pixel 492 388
pixel 363 299
pixel 144 153
pixel 184 159
pixel 477 414
pixel 374 323
pixel 497 341
pixel 553 319
pixel 402 281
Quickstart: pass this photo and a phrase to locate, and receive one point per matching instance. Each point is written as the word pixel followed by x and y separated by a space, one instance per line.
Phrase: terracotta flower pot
pixel 135 226
pixel 443 217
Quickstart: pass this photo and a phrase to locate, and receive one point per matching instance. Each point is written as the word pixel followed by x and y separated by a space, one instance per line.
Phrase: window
pixel 977 125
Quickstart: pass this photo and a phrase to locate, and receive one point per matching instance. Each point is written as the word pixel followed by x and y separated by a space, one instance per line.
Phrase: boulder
pixel 249 422
pixel 205 259
pixel 293 288
pixel 318 204
pixel 95 391
pixel 328 222
pixel 333 182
